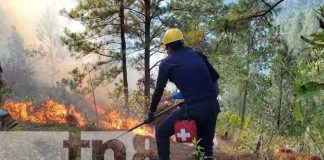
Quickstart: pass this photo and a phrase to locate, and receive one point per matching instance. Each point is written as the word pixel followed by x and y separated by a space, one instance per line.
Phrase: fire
pixel 100 109
pixel 114 120
pixel 50 113
pixel 54 113
pixel 78 117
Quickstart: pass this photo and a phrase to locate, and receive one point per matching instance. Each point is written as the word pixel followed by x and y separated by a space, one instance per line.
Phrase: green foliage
pixel 76 81
pixel 235 120
pixel 246 122
pixel 309 89
pixel 198 20
pixel 297 112
pixel 231 122
pixel 285 80
pixel 317 39
pixel 319 125
pixel 200 150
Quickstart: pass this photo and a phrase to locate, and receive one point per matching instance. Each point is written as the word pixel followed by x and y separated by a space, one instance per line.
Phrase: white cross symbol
pixel 183 135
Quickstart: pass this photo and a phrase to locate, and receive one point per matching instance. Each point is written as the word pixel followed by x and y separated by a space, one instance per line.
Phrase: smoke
pixel 35 24
pixel 31 20
pixel 28 17
pixel 24 15
pixel 23 26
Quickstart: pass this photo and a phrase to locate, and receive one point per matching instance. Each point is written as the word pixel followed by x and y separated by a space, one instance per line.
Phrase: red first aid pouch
pixel 185 131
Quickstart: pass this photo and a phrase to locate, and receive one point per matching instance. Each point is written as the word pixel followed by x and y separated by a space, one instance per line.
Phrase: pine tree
pixel 103 39
pixel 107 26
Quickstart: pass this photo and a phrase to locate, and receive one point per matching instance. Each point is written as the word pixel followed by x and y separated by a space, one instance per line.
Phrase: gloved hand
pixel 149 118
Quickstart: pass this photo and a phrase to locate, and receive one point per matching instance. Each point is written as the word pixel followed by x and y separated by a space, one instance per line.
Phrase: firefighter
pixel 196 79
pixel 7 122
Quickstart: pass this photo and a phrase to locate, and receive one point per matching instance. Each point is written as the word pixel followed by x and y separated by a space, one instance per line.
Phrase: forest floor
pixel 223 149
pixel 178 151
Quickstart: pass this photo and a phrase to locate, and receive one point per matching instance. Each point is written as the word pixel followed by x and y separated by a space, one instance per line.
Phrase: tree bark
pixel 245 92
pixel 147 76
pixel 123 51
pixel 279 101
pixel 260 141
pixel 94 100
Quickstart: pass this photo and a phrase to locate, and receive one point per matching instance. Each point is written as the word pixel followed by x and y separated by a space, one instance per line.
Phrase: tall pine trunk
pixel 147 76
pixel 245 92
pixel 279 101
pixel 246 84
pixel 123 51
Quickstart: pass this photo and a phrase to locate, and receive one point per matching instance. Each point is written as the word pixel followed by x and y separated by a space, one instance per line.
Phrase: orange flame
pixel 53 113
pixel 114 120
pixel 50 113
pixel 100 109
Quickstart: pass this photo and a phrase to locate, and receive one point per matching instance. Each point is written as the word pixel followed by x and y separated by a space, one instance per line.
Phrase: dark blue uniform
pixel 193 75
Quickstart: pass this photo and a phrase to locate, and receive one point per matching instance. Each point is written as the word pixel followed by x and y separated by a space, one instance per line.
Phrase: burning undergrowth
pixel 51 113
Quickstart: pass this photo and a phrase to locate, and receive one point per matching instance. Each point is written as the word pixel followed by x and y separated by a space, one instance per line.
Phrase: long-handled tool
pixel 155 116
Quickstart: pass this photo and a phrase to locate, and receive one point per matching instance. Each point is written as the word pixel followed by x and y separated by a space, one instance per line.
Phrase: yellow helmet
pixel 172 35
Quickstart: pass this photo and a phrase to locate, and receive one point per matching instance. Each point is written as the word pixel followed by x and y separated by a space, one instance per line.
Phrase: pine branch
pixel 156 64
pixel 156 8
pixel 155 47
pixel 260 13
pixel 267 4
pixel 134 11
